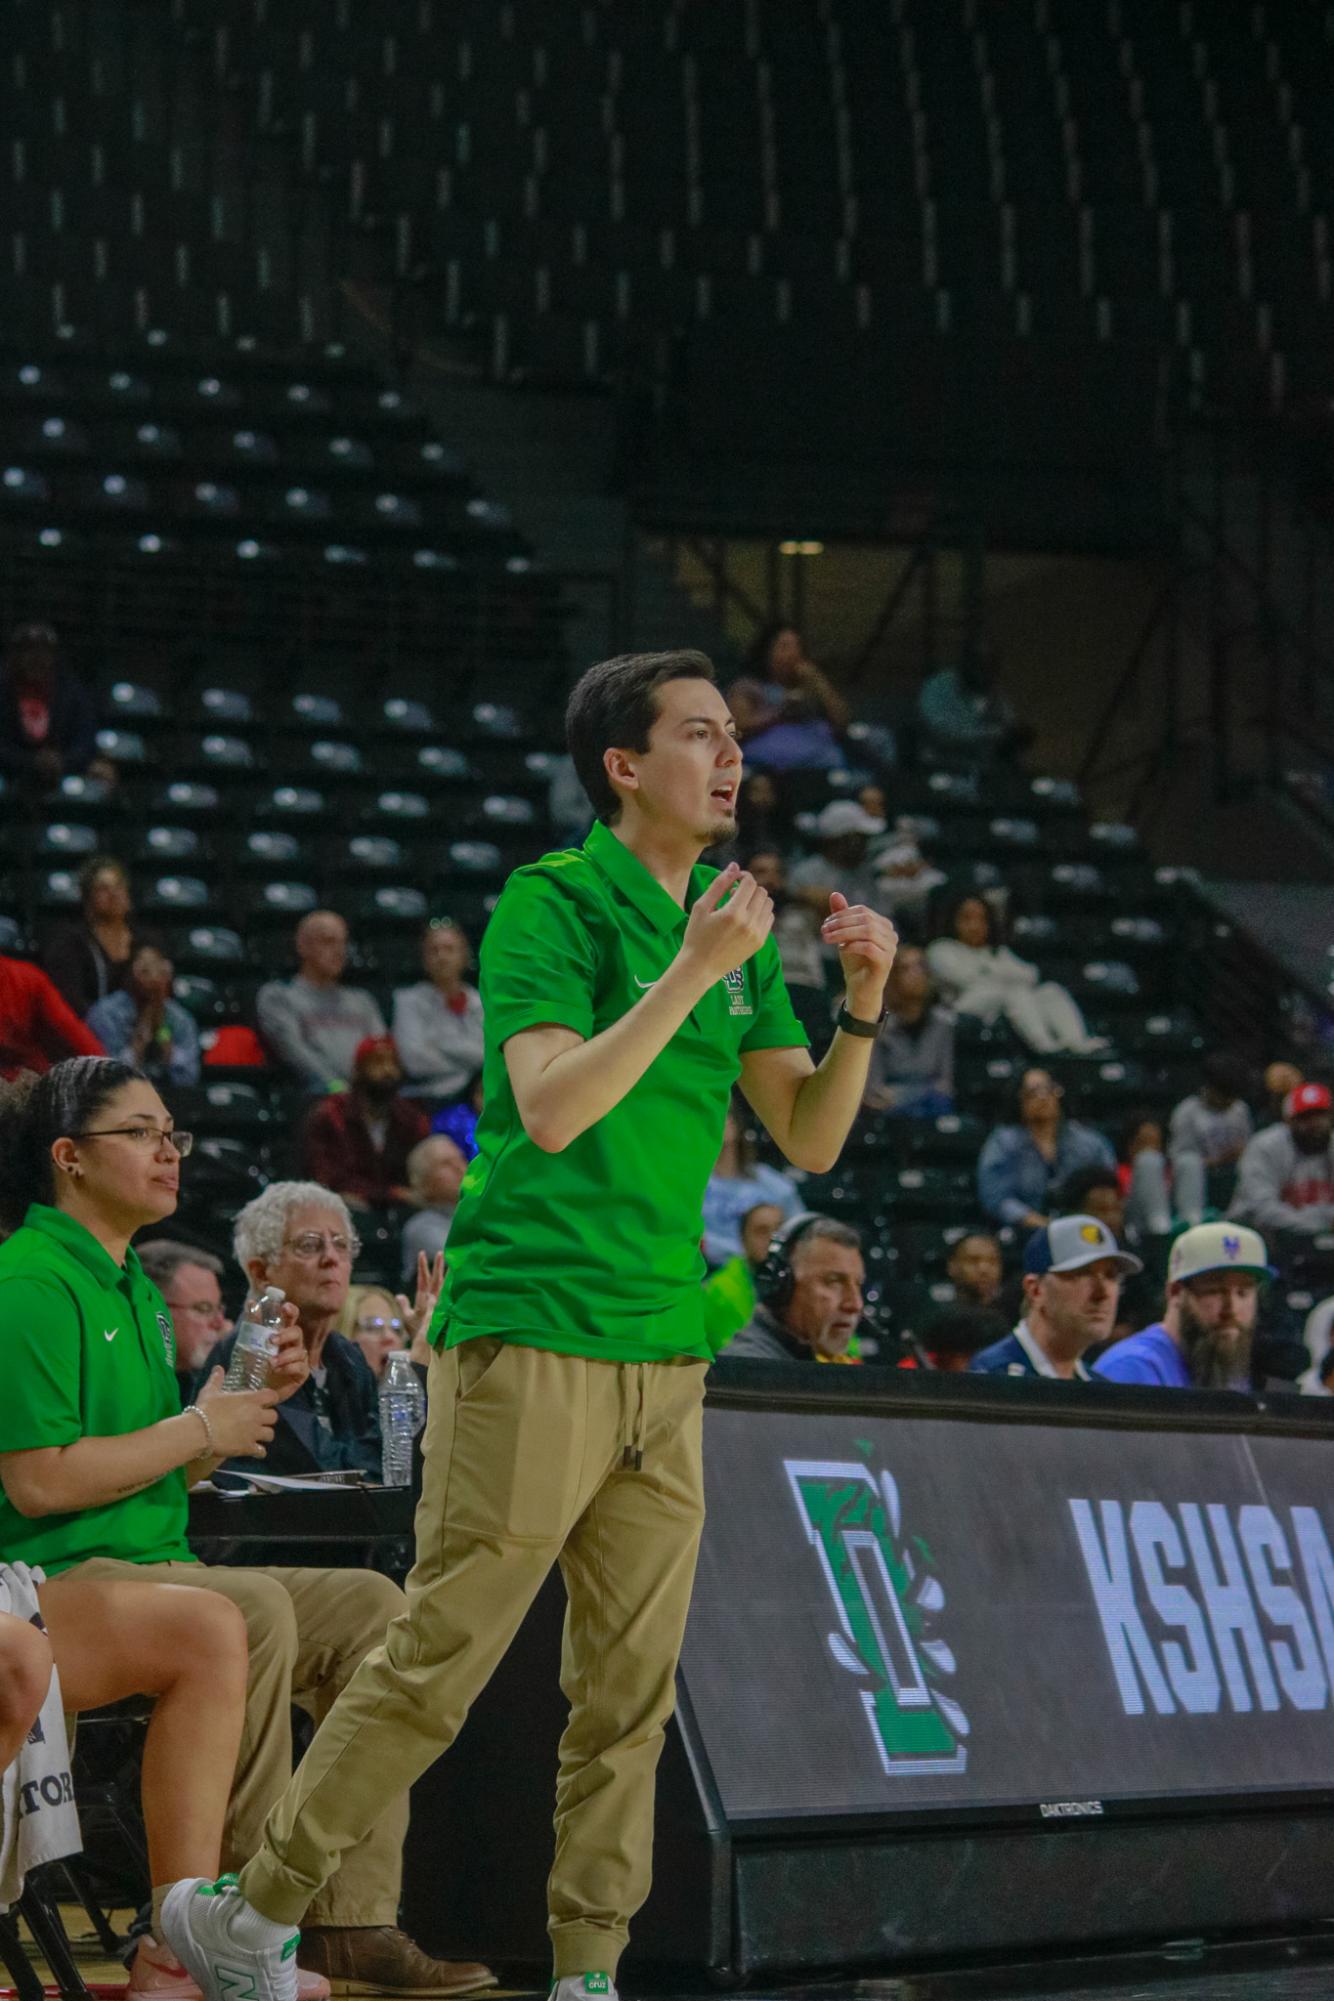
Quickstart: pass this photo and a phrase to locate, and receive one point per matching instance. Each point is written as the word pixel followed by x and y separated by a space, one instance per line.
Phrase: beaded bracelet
pixel 193 1410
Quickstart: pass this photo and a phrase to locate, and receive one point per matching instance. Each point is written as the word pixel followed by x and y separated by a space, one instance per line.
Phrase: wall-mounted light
pixel 801 548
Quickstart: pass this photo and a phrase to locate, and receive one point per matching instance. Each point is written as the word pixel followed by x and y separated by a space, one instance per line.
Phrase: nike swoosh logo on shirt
pixel 644 983
pixel 110 1333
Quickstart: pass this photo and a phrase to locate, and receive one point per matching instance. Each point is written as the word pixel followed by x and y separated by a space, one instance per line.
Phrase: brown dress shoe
pixel 381 1959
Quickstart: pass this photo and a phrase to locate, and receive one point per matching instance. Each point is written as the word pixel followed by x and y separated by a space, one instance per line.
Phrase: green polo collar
pixel 628 874
pixel 81 1244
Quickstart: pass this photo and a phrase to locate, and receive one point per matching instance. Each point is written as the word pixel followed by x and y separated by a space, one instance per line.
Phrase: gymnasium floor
pixel 1300 1969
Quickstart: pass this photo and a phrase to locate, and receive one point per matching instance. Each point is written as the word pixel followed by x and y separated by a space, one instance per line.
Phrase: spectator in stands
pixel 1204 1338
pixel 963 715
pixel 142 1025
pixel 762 821
pixel 779 660
pixel 110 1507
pixel 729 1292
pixel 982 977
pixel 809 1295
pixel 90 958
pixel 912 1061
pixel 796 922
pixel 48 725
pixel 190 1282
pixel 357 1141
pixel 1286 1177
pixel 1023 1164
pixel 1096 1191
pixel 844 832
pixel 436 1167
pixel 738 1182
pixel 313 1023
pixel 459 1120
pixel 905 880
pixel 37 1028
pixel 789 715
pixel 1073 1268
pixel 1144 1175
pixel 300 1237
pixel 975 1269
pixel 438 1022
pixel 972 1319
pixel 1207 1135
pixel 371 1321
pixel 1280 1078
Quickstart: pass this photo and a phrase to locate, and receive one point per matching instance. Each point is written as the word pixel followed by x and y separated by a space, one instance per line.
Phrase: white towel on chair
pixel 38 1821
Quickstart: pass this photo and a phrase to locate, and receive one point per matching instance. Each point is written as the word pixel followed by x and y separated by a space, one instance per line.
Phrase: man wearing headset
pixel 809 1295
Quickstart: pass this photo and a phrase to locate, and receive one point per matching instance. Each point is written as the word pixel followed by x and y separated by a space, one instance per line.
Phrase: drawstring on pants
pixel 634 1382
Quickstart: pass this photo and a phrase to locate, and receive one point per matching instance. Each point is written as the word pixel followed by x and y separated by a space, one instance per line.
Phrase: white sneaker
pixel 584 1987
pixel 231 1950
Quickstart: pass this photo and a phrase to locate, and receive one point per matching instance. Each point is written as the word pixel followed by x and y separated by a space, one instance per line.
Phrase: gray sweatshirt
pixel 440 1050
pixel 1279 1188
pixel 922 1057
pixel 1197 1128
pixel 315 1030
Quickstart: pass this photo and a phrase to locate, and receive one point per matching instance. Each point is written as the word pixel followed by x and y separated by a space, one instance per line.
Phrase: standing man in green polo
pixel 626 989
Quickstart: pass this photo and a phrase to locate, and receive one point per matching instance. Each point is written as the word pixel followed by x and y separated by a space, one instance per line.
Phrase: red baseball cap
pixel 373 1045
pixel 1307 1098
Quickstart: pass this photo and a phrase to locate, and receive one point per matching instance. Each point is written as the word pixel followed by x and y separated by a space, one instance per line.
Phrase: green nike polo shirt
pixel 595 1251
pixel 86 1351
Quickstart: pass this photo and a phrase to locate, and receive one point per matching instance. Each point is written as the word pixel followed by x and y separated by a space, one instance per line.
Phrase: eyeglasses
pixel 311 1245
pixel 203 1309
pixel 377 1325
pixel 141 1135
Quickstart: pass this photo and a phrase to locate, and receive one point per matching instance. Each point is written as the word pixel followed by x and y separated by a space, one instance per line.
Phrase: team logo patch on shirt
pixel 164 1329
pixel 735 982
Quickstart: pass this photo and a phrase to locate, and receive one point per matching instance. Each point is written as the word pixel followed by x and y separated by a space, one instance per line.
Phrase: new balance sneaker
pixel 584 1987
pixel 230 1950
pixel 155 1976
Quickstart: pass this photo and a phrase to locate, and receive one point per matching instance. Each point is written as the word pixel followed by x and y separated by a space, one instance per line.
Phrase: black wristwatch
pixel 850 1025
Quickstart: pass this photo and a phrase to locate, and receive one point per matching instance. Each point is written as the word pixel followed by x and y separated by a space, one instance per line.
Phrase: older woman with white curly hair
pixel 300 1236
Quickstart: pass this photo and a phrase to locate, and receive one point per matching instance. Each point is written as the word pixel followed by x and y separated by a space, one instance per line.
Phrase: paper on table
pixel 282 1483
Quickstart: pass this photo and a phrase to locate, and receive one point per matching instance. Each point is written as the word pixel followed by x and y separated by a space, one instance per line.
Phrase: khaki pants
pixel 309 1630
pixel 524 1467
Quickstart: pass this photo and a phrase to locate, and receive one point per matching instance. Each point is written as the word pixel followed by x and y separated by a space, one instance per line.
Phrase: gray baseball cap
pixel 1068 1243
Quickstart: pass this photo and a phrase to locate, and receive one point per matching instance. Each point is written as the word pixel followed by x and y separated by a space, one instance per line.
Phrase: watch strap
pixel 850 1025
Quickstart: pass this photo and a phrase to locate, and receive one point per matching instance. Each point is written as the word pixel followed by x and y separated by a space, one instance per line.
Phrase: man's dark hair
pixel 613 707
pixel 1075 1190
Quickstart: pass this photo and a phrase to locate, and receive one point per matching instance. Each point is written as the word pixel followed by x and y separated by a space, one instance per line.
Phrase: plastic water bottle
pixel 402 1415
pixel 256 1341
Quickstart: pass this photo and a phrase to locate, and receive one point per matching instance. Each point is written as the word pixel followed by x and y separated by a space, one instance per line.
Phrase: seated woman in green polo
pixel 96 1453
